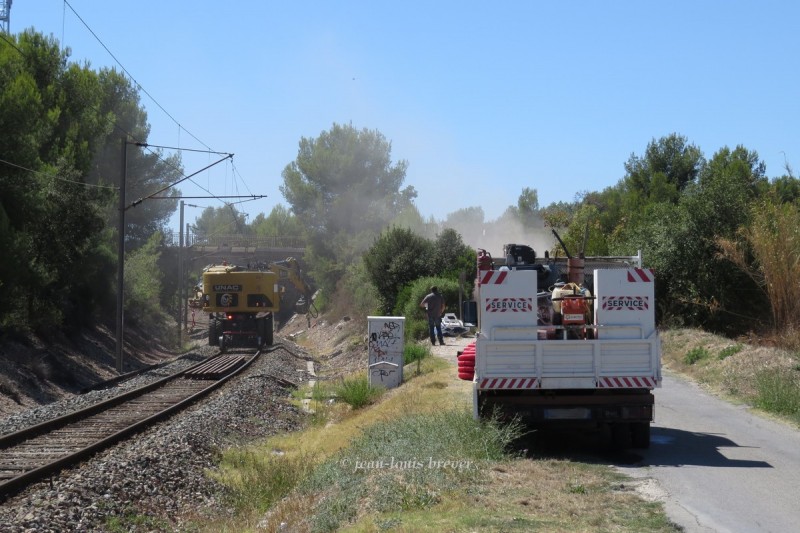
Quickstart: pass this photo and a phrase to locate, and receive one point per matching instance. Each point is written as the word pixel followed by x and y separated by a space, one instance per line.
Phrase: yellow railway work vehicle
pixel 242 302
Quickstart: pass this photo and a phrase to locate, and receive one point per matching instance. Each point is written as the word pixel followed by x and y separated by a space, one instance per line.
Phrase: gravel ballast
pixel 161 473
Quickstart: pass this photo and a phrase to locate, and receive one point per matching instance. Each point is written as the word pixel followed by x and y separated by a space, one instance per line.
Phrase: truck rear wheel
pixel 213 338
pixel 268 335
pixel 640 434
pixel 621 435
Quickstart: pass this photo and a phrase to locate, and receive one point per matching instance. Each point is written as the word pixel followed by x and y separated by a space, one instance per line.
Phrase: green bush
pixel 416 329
pixel 143 279
pixel 397 258
pixel 695 354
pixel 779 392
pixel 415 352
pixel 360 289
pixel 264 479
pixel 357 392
pixel 729 351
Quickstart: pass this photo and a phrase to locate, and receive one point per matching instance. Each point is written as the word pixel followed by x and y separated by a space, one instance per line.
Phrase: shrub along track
pixel 36 452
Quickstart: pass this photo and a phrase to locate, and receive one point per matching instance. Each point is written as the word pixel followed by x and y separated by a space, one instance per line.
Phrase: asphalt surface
pixel 720 467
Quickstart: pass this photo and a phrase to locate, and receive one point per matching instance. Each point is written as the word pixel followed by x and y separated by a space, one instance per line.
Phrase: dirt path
pixel 452 346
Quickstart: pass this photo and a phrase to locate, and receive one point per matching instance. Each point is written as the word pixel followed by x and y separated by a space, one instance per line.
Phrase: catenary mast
pixel 5 16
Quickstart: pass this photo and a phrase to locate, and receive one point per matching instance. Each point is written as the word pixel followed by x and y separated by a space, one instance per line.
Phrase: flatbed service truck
pixel 562 349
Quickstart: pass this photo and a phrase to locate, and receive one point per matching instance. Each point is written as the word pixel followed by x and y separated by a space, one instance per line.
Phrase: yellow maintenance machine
pixel 243 302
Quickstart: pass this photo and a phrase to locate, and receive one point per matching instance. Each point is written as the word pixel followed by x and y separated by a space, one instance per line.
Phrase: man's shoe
pixel 441 342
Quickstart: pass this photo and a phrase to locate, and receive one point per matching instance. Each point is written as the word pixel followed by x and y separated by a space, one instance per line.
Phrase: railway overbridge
pixel 201 250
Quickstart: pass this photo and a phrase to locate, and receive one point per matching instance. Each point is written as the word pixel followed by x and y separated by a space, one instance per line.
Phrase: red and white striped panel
pixel 509 383
pixel 628 303
pixel 493 277
pixel 640 275
pixel 623 382
pixel 514 305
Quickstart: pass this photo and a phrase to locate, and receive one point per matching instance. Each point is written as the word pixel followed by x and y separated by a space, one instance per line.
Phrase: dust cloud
pixel 492 235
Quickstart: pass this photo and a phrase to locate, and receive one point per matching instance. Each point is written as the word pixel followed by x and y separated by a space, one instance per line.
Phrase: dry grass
pixel 732 368
pixel 419 395
pixel 530 495
pixel 515 493
pixel 773 239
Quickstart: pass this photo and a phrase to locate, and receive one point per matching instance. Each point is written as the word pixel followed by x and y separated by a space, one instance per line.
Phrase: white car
pixel 451 325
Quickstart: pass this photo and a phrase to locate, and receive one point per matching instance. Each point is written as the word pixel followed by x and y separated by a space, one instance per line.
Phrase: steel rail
pixel 50 446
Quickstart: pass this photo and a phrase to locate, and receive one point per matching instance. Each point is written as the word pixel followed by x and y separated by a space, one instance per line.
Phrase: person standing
pixel 434 304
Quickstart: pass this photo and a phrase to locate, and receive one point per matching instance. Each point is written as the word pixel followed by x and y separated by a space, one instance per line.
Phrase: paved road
pixel 718 467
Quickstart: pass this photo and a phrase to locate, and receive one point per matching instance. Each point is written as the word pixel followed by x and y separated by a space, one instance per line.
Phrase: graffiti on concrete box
pixel 389 338
pixel 386 351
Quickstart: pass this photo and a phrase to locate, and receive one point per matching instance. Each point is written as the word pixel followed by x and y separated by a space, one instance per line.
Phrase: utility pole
pixel 5 16
pixel 185 287
pixel 121 255
pixel 181 283
pixel 120 337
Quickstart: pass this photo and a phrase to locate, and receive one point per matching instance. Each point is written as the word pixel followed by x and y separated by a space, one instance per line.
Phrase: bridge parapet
pixel 236 243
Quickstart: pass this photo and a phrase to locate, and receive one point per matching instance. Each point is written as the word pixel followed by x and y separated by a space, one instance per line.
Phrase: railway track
pixel 34 453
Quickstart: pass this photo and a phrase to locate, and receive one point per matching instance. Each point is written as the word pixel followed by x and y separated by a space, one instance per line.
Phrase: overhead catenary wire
pixel 249 198
pixel 56 177
pixel 167 113
pixel 180 126
pixel 148 145
pixel 140 200
pixel 237 173
pixel 13 45
pixel 112 119
pixel 139 85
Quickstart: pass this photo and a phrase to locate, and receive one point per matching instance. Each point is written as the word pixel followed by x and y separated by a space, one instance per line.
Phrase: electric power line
pixel 113 122
pixel 180 126
pixel 139 85
pixel 129 134
pixel 56 177
pixel 13 44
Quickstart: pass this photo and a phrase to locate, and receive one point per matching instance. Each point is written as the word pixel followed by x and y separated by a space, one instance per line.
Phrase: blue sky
pixel 481 98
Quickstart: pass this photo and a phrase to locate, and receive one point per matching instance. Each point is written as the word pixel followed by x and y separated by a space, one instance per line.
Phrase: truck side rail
pixel 534 331
pixel 631 362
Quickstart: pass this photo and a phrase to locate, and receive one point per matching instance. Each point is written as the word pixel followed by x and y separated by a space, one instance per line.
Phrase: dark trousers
pixel 435 329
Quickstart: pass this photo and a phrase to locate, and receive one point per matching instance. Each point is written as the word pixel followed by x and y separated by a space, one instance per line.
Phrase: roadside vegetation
pixel 718 231
pixel 764 375
pixel 417 461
